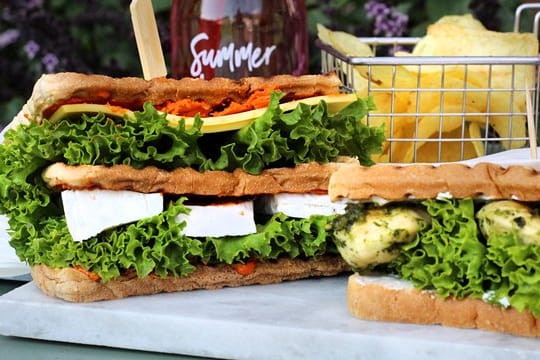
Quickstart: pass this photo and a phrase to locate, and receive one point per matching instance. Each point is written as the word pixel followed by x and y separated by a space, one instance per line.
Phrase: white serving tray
pixel 305 319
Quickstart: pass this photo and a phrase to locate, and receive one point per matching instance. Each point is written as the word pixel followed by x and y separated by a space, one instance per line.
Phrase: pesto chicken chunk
pixel 366 237
pixel 504 217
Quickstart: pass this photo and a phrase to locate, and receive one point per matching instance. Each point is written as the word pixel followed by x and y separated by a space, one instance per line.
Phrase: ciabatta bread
pixel 384 298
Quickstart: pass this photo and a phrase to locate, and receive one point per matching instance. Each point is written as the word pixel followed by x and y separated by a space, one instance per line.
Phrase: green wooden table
pixel 15 348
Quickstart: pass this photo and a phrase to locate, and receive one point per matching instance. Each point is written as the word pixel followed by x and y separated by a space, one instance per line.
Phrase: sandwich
pixel 115 187
pixel 455 244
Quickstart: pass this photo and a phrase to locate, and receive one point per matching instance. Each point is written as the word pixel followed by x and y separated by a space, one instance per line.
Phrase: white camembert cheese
pixel 89 212
pixel 229 219
pixel 302 205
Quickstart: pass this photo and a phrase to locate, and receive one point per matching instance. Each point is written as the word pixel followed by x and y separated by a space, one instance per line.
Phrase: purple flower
pixel 50 61
pixel 31 48
pixel 387 20
pixel 381 26
pixel 375 9
pixel 400 18
pixel 8 37
pixel 400 22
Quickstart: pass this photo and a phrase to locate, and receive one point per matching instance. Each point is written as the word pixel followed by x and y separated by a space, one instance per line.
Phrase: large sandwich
pixel 121 187
pixel 454 244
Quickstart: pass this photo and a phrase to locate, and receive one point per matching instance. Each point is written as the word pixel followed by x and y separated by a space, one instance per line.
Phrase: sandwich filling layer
pixel 157 244
pixel 458 248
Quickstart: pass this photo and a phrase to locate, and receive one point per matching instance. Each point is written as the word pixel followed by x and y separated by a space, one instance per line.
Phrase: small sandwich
pixel 453 244
pixel 115 187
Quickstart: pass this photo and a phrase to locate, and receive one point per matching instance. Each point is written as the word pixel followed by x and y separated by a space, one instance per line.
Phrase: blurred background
pixel 95 36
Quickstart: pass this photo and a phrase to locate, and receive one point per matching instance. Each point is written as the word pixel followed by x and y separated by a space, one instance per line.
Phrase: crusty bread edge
pixel 426 181
pixel 50 89
pixel 303 178
pixel 373 300
pixel 75 286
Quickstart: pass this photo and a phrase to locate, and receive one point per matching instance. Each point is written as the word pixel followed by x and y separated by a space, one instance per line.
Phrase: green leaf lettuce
pixel 453 258
pixel 38 229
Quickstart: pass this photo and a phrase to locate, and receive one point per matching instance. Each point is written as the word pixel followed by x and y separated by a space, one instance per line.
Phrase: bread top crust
pixel 421 181
pixel 53 90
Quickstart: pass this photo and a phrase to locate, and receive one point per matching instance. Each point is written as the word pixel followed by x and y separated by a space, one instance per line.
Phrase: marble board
pixel 305 319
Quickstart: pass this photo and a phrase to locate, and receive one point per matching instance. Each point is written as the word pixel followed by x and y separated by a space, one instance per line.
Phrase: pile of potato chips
pixel 445 112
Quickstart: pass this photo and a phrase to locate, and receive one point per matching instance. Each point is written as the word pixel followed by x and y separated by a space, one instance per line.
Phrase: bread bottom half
pixel 75 286
pixel 387 299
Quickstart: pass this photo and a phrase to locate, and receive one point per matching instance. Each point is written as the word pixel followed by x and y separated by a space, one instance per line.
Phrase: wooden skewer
pixel 147 37
pixel 531 123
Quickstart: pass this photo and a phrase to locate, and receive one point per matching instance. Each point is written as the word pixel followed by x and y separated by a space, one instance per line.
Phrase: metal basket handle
pixel 526 7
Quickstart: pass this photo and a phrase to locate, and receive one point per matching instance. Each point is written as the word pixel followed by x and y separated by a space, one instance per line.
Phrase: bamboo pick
pixel 147 37
pixel 530 123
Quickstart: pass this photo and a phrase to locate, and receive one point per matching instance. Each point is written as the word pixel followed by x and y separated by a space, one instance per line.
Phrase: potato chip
pixel 388 76
pixel 512 129
pixel 431 127
pixel 449 146
pixel 451 38
pixel 439 151
pixel 348 45
pixel 475 132
pixel 446 111
pixel 323 33
pixel 466 21
pixel 391 112
pixel 448 90
pixel 447 38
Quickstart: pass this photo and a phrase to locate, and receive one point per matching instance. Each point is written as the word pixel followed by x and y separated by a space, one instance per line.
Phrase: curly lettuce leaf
pixel 276 139
pixel 306 134
pixel 447 256
pixel 519 270
pixel 150 245
pixel 303 135
pixel 452 258
pixel 144 141
pixel 156 245
pixel 279 236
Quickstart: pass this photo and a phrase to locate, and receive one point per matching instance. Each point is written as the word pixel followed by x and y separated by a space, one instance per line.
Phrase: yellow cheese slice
pixel 210 124
pixel 73 109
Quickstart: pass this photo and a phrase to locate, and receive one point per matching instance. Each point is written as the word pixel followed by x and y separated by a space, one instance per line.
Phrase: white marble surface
pixel 11 268
pixel 304 319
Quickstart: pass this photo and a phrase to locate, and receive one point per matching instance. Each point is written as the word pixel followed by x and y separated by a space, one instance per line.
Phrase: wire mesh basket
pixel 440 109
